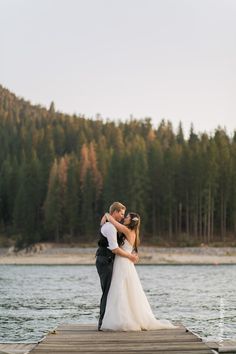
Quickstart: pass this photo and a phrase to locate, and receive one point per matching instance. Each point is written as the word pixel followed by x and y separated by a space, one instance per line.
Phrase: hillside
pixel 59 173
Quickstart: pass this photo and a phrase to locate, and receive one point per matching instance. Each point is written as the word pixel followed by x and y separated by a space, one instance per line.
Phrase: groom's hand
pixel 103 220
pixel 134 257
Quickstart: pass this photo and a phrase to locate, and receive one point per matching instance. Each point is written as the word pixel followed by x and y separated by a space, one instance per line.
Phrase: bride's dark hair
pixel 133 225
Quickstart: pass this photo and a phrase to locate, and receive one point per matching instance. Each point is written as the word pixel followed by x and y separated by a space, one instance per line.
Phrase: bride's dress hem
pixel 138 330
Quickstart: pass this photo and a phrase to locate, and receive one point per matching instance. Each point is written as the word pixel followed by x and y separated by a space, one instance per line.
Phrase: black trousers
pixel 104 264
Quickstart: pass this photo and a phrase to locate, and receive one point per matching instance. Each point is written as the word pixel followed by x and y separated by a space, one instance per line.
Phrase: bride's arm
pixel 120 227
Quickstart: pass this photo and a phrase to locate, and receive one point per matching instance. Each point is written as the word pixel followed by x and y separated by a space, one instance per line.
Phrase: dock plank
pixel 76 338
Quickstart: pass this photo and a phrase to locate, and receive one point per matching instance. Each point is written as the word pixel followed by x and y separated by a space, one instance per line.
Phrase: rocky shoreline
pixel 45 253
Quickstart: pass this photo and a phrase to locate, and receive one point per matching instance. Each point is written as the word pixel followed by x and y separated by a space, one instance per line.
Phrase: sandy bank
pixel 54 254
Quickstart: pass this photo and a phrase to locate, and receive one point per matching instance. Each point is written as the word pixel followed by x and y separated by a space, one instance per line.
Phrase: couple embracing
pixel 124 305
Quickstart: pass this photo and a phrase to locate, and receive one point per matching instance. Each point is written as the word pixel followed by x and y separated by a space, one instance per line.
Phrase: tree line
pixel 59 173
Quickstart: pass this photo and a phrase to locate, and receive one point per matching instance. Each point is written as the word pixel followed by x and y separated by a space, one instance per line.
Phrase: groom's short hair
pixel 116 206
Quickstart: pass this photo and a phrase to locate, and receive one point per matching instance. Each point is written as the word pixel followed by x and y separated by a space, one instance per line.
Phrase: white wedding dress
pixel 127 307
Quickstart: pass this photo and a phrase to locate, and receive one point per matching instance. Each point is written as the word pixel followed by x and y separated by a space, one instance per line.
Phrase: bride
pixel 127 307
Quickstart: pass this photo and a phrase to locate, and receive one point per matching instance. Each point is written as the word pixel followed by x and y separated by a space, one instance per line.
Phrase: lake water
pixel 36 298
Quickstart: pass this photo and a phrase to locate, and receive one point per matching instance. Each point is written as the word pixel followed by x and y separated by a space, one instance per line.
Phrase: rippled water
pixel 35 299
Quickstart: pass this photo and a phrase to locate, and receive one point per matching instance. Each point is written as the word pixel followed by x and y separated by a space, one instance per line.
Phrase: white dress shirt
pixel 109 231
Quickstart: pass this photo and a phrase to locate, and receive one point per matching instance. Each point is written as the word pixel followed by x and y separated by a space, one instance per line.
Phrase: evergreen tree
pixel 72 196
pixel 27 204
pixel 53 208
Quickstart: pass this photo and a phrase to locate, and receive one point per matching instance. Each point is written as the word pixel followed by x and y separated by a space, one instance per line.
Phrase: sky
pixel 163 59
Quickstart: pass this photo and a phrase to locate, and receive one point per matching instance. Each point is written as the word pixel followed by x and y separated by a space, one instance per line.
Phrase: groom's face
pixel 119 215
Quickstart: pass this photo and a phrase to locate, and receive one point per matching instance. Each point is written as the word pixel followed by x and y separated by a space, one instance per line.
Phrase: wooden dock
pixel 77 338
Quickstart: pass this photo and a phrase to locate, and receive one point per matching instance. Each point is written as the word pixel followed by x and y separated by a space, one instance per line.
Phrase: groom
pixel 107 249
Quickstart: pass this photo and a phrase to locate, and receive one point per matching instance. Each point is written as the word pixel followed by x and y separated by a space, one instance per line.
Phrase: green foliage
pixel 60 173
pixel 26 212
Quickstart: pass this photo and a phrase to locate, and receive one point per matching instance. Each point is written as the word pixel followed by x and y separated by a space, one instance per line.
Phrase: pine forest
pixel 59 173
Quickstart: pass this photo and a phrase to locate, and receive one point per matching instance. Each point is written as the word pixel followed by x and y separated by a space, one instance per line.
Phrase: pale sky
pixel 172 59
